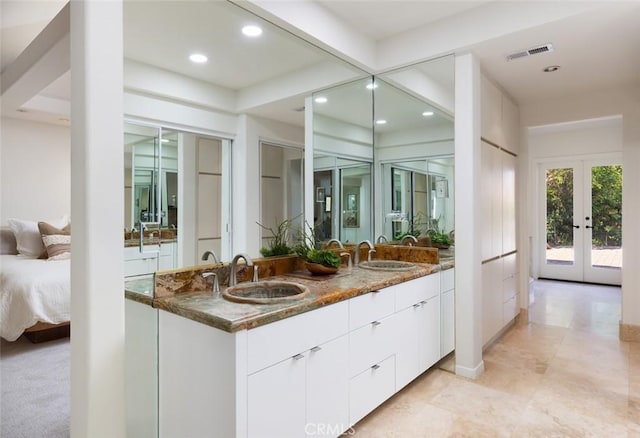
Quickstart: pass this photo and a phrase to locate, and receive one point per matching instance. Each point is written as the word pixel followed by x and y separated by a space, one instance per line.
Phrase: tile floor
pixel 564 374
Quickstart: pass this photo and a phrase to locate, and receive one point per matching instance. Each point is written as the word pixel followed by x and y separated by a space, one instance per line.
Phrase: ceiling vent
pixel 529 52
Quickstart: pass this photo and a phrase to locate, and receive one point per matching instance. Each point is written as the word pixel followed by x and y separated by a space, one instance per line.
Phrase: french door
pixel 581 221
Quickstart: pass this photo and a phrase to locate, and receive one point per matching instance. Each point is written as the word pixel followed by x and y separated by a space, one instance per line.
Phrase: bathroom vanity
pixel 311 367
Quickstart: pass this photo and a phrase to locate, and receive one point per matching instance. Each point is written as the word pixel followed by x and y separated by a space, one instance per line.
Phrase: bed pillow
pixel 28 239
pixel 57 241
pixel 7 241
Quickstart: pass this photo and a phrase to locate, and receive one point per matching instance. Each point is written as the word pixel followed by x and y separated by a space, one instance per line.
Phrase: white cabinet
pixel 509 288
pixel 491 110
pixel 418 326
pixel 491 205
pixel 276 399
pixel 447 312
pixel 510 124
pixel 155 258
pixel 500 294
pixel 492 302
pixel 371 388
pixel 327 395
pixel 308 387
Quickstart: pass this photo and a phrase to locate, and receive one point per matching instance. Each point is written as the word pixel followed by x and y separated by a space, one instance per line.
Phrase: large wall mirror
pixel 266 78
pixel 343 162
pixel 414 146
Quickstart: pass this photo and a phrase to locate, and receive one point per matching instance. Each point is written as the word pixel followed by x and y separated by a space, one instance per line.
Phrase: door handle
pixel 576 226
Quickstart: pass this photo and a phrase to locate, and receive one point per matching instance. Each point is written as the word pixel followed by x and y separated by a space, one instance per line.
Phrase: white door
pixel 581 221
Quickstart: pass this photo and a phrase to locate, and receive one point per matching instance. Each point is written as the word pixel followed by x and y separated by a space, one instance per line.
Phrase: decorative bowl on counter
pixel 318 269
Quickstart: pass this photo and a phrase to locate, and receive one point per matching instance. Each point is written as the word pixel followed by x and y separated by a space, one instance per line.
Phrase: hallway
pixel 565 374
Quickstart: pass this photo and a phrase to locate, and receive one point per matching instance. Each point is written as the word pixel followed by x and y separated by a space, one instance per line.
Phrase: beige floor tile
pixel 553 419
pixel 516 380
pixel 584 396
pixel 479 404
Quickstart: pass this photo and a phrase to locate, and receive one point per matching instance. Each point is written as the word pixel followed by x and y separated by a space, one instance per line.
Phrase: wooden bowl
pixel 318 269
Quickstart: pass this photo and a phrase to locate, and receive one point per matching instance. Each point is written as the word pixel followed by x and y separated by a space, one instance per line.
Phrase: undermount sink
pixel 387 265
pixel 265 292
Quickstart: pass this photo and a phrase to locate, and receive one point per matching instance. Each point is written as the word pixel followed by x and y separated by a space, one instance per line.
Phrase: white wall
pixel 607 103
pixel 35 161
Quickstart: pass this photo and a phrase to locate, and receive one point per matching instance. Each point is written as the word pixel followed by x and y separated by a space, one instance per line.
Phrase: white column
pixel 97 172
pixel 467 211
pixel 631 216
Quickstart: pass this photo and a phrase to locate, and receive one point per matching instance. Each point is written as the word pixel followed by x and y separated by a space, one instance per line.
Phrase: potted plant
pixel 317 261
pixel 278 245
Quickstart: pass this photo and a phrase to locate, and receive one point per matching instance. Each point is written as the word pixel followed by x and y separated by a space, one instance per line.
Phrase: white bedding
pixel 32 290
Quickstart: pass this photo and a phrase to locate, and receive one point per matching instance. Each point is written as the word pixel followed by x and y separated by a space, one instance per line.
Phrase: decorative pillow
pixel 56 241
pixel 28 239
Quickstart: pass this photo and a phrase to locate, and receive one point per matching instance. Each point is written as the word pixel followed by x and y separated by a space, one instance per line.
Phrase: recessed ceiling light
pixel 198 58
pixel 165 140
pixel 252 30
pixel 551 68
pixel 321 99
pixel 427 113
pixel 381 122
pixel 372 86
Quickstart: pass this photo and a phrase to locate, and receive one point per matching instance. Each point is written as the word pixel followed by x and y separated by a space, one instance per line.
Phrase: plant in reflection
pixel 439 238
pixel 279 242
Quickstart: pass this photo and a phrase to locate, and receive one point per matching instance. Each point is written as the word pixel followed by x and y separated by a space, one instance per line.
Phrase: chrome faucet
pixel 206 254
pixel 356 258
pixel 328 244
pixel 411 238
pixel 371 251
pixel 232 275
pixel 382 237
pixel 216 284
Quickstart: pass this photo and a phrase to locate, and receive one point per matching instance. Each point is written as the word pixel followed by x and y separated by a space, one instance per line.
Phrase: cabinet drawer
pixel 509 310
pixel 370 388
pixel 279 340
pixel 371 307
pixel 447 280
pixel 370 344
pixel 414 291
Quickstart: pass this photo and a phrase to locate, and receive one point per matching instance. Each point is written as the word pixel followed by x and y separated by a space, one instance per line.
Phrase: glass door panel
pixel 582 221
pixel 560 248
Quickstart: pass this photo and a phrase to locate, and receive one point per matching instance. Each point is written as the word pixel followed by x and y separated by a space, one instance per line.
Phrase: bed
pixel 34 294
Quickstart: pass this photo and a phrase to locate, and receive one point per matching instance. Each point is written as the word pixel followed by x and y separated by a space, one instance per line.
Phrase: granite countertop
pixel 217 312
pixel 147 241
pixel 140 289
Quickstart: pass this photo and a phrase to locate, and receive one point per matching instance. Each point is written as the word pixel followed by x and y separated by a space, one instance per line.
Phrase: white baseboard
pixel 471 373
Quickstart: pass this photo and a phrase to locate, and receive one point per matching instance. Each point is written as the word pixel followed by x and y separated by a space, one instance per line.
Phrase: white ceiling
pixel 163 34
pixel 381 19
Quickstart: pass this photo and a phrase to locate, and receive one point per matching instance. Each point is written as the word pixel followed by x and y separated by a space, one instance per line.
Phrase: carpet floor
pixel 35 389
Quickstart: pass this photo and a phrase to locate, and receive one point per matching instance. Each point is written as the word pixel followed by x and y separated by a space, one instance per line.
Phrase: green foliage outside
pixel 606 193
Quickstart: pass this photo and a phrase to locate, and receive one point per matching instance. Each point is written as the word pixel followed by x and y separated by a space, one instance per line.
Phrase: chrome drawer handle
pixel 298 356
pixel 375 367
pixel 376 323
pixel 416 305
pixel 316 349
